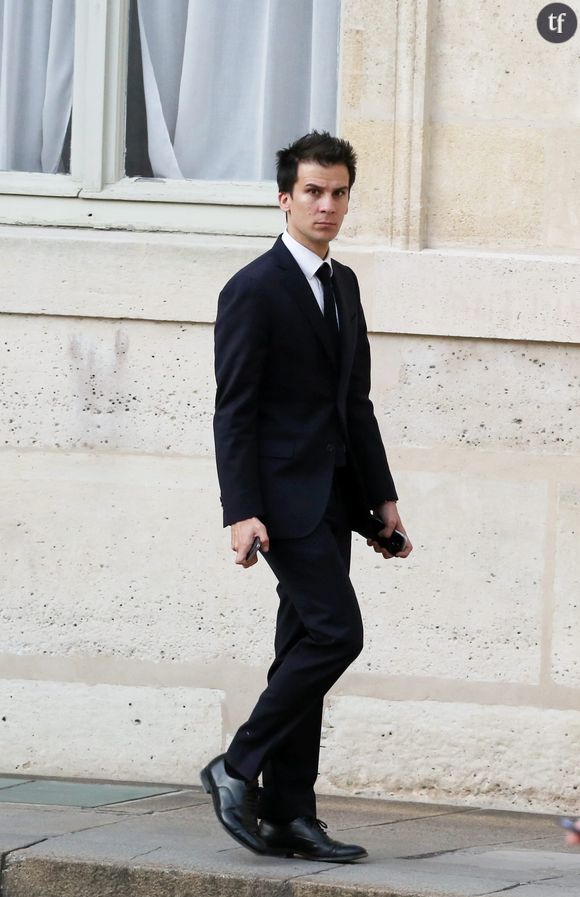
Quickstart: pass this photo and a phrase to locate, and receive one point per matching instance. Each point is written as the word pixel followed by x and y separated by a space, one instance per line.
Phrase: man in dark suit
pixel 301 463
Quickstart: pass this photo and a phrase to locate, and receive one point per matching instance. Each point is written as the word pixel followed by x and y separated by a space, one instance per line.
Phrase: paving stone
pixel 10 781
pixel 161 803
pixel 56 792
pixel 172 845
pixel 24 825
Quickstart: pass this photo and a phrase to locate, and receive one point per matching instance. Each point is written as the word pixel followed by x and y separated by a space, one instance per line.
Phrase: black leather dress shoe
pixel 235 803
pixel 307 838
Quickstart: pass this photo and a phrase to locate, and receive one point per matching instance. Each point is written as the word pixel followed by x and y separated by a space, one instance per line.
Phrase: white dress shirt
pixel 309 263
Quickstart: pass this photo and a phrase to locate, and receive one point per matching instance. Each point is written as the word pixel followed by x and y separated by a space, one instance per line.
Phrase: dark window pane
pixel 136 154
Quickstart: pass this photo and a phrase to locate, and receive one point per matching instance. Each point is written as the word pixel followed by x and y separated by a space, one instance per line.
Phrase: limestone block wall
pixel 130 645
pixel 120 602
pixel 469 119
pixel 504 116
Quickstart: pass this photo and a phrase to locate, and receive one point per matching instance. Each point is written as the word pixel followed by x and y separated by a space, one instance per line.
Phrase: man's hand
pixel 243 534
pixel 390 516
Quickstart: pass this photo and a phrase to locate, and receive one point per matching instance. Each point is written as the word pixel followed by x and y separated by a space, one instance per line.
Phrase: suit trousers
pixel 319 633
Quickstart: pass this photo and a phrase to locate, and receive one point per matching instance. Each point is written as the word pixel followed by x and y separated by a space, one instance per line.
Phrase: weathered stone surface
pixel 148 389
pixel 46 878
pixel 482 77
pixel 497 396
pixel 509 757
pixel 184 851
pixel 23 826
pixel 153 277
pixel 137 387
pixel 114 568
pixel 104 731
pixel 494 117
pixel 566 628
pixel 125 556
pixel 465 605
pixel 415 850
pixel 486 186
pixel 563 197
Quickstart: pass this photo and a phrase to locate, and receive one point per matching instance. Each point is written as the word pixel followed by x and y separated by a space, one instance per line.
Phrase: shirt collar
pixel 308 261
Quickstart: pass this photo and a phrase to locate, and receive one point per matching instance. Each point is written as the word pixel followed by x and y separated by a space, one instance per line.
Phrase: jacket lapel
pixel 298 288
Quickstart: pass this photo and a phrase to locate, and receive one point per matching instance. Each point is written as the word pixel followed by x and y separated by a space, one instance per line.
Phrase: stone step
pixel 171 844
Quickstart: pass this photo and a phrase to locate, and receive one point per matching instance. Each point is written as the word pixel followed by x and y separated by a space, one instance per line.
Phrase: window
pixel 175 103
pixel 227 83
pixel 36 79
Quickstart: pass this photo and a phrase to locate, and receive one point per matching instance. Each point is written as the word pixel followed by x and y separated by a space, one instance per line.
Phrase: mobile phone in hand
pixel 254 549
pixel 394 543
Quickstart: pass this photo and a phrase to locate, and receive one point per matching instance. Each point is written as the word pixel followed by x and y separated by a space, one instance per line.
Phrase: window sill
pixel 161 216
pixel 142 204
pixel 225 193
pixel 36 184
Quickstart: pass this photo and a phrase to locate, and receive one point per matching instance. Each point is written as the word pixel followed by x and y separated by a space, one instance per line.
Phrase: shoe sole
pixel 207 787
pixel 288 854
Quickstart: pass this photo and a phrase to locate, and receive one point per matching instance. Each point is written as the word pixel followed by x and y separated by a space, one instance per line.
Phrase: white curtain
pixel 36 74
pixel 228 82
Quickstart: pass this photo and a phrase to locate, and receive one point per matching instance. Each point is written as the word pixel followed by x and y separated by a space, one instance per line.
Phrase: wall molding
pixel 177 277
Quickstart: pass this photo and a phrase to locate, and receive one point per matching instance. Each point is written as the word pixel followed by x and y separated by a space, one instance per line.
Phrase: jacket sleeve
pixel 241 345
pixel 364 435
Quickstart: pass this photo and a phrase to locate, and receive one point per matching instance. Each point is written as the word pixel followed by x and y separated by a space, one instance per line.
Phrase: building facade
pixel 121 652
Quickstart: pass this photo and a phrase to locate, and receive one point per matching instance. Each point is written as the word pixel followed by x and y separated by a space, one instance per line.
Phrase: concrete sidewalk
pixel 170 844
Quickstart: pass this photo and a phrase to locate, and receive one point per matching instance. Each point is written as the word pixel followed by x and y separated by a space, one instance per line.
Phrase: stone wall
pixel 130 645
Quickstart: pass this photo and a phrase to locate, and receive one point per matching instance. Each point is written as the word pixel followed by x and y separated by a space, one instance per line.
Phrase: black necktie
pixel 324 275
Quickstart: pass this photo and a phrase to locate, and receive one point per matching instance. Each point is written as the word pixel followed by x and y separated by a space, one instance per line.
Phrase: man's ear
pixel 284 201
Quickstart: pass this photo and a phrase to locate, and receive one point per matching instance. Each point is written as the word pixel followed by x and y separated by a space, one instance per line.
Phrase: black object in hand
pixel 394 543
pixel 254 548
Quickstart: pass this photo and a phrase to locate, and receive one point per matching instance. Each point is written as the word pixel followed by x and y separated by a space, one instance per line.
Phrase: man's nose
pixel 327 202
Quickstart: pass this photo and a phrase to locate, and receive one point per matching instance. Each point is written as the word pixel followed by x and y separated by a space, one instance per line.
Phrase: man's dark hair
pixel 318 146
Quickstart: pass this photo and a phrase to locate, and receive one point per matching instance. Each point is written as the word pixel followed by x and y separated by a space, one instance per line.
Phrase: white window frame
pixel 97 193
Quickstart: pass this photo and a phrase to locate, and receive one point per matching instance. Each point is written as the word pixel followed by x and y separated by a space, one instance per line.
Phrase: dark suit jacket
pixel 283 407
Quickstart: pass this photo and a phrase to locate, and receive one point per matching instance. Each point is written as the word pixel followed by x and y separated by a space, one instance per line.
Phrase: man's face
pixel 317 205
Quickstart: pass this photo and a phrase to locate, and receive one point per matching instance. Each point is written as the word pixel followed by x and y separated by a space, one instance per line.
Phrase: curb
pixel 34 877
